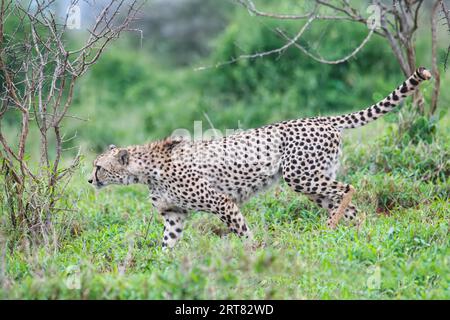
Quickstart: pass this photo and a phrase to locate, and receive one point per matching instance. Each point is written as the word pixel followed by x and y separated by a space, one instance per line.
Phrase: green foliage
pixel 292 76
pixel 415 157
pixel 423 129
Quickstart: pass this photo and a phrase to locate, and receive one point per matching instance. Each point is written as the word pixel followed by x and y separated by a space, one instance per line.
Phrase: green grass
pixel 109 244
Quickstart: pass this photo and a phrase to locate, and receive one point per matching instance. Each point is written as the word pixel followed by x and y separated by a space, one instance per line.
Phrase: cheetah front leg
pixel 173 226
pixel 226 209
pixel 229 212
pixel 209 200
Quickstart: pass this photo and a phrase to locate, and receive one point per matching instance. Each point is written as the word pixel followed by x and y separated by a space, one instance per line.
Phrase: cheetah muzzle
pixel 218 175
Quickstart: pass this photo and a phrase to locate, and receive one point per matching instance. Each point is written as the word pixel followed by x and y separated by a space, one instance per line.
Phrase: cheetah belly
pixel 240 165
pixel 332 162
pixel 242 184
pixel 242 194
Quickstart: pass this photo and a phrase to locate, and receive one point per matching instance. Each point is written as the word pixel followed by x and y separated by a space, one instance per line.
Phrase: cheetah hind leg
pixel 350 212
pixel 340 211
pixel 323 187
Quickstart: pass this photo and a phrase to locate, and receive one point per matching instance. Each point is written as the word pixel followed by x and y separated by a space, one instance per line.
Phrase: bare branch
pixel 338 61
pixel 395 46
pixel 434 68
pixel 279 50
pixel 250 6
pixel 446 13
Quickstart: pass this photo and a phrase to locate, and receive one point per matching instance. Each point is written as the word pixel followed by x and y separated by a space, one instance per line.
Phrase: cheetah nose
pixel 90 180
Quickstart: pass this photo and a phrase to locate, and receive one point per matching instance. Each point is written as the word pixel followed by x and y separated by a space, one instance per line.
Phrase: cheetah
pixel 219 175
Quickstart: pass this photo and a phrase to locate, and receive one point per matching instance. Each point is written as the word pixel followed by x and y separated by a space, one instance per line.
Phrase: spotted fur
pixel 219 175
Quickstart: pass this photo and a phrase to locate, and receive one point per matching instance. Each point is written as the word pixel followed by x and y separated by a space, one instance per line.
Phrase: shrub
pixel 418 154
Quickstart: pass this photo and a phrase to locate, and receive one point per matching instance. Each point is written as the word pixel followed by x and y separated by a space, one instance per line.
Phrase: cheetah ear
pixel 111 146
pixel 123 157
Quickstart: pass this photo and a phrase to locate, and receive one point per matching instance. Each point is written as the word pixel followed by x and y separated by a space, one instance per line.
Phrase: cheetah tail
pixel 360 118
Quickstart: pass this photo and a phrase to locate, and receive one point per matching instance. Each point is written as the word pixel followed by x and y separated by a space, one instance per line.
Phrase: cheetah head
pixel 111 167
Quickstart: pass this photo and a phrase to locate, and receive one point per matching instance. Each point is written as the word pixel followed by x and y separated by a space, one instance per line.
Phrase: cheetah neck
pixel 147 162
